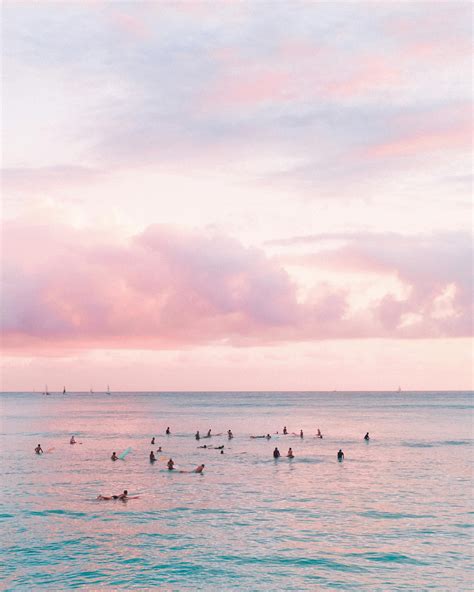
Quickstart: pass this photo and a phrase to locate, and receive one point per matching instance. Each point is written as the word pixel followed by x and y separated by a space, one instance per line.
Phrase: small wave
pixel 390 558
pixel 392 515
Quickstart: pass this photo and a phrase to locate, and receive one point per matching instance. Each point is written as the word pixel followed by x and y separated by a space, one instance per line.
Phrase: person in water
pixel 301 434
pixel 319 435
pixel 168 431
pixel 276 453
pixel 268 437
pixel 290 453
pixel 72 440
pixel 153 441
pixel 230 435
pixel 170 464
pixel 122 496
pixel 197 436
pixel 38 449
pixel 152 457
pixel 114 456
pixel 340 455
pixel 198 469
pixel 159 449
pixel 208 433
pixel 366 437
pixel 203 446
pixel 285 431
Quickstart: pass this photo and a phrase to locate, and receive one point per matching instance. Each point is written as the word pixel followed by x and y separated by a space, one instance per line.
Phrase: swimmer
pixel 366 437
pixel 152 457
pixel 38 449
pixel 197 436
pixel 159 449
pixel 340 455
pixel 268 437
pixel 170 464
pixel 276 453
pixel 222 452
pixel 230 435
pixel 301 434
pixel 72 440
pixel 319 435
pixel 218 447
pixel 203 446
pixel 290 453
pixel 208 433
pixel 285 432
pixel 123 496
pixel 114 456
pixel 153 441
pixel 168 431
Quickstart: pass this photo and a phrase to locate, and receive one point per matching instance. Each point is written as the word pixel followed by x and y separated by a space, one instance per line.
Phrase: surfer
pixel 268 437
pixel 152 441
pixel 123 496
pixel 366 437
pixel 290 453
pixel 319 435
pixel 168 432
pixel 72 440
pixel 152 457
pixel 340 455
pixel 276 453
pixel 114 456
pixel 208 433
pixel 197 436
pixel 285 431
pixel 230 435
pixel 301 434
pixel 38 449
pixel 198 469
pixel 170 464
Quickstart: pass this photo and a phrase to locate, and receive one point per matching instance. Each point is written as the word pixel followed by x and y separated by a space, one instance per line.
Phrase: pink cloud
pixel 169 287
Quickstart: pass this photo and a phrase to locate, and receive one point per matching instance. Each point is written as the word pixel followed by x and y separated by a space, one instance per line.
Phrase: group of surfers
pixel 200 468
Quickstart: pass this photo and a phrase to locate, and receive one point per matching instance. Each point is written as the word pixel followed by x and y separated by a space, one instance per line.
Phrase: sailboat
pixel 108 389
pixel 64 390
pixel 46 392
pixel 91 391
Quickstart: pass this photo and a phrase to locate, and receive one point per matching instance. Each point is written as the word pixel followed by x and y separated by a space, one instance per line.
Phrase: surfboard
pixel 124 453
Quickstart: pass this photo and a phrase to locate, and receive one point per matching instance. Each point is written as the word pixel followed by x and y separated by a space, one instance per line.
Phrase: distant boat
pixel 46 392
pixel 399 390
pixel 108 389
pixel 91 391
pixel 64 390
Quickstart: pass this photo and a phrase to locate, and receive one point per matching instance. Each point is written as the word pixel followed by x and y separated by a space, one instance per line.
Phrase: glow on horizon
pixel 240 198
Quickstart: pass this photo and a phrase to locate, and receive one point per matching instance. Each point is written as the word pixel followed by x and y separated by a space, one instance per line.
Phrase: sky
pixel 237 195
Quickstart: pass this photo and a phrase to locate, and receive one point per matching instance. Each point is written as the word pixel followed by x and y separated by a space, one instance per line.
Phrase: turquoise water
pixel 395 515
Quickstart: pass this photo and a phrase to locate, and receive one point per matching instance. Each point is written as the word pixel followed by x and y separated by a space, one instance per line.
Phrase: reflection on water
pixel 395 515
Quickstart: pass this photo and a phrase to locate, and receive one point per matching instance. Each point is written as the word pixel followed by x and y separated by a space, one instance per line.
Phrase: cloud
pixel 172 287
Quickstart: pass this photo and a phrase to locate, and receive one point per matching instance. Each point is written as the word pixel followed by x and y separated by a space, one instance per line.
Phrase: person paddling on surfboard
pixel 38 449
pixel 198 469
pixel 123 496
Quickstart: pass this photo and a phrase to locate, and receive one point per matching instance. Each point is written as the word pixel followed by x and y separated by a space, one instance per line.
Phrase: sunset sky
pixel 237 195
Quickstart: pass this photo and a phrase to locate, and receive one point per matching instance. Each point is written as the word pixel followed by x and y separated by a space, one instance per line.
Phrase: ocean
pixel 396 514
